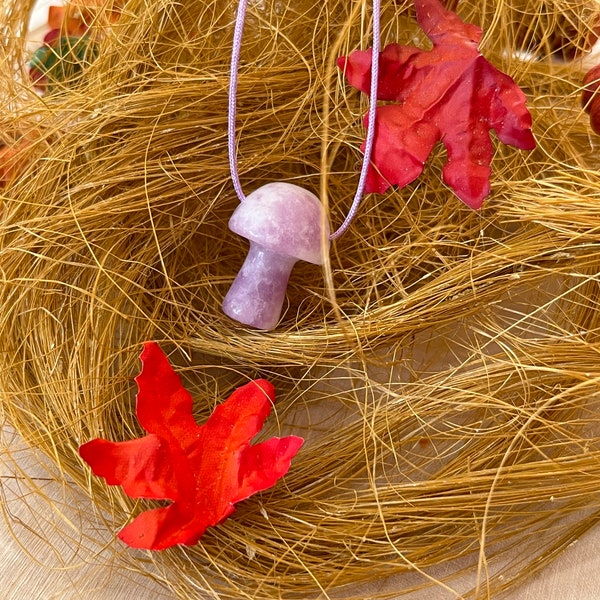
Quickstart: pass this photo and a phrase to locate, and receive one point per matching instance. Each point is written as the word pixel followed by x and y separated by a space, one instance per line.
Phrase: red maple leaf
pixel 450 93
pixel 590 97
pixel 203 469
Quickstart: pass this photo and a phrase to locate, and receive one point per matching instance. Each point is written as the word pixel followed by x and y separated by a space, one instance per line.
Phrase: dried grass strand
pixel 445 362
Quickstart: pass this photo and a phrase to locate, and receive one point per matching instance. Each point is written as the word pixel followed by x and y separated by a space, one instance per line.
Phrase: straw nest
pixel 446 363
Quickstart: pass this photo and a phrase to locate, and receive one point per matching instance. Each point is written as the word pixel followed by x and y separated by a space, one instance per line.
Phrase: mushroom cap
pixel 283 218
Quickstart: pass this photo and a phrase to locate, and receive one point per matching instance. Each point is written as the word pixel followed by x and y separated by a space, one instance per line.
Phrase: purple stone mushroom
pixel 283 223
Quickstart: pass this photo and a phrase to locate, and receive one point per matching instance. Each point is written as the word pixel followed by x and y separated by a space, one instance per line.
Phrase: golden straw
pixel 453 387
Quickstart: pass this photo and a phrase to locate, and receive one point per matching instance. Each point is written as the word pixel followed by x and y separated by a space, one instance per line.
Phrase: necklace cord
pixel 370 124
pixel 232 111
pixel 232 104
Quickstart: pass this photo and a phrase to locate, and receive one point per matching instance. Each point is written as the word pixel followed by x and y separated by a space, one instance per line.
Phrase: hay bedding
pixel 443 367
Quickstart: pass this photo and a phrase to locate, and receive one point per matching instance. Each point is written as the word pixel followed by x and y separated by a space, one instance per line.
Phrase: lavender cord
pixel 232 106
pixel 370 125
pixel 232 111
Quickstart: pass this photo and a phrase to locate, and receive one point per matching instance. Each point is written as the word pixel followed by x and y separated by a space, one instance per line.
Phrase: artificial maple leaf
pixel 75 17
pixel 65 20
pixel 10 166
pixel 449 93
pixel 590 97
pixel 203 469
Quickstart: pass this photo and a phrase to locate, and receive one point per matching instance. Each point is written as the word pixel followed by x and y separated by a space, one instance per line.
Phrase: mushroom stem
pixel 256 296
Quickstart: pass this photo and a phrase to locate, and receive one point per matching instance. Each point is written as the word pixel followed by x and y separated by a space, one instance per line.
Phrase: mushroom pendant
pixel 284 223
